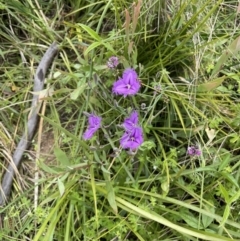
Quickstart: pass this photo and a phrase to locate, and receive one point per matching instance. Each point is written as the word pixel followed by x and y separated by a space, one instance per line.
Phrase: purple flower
pixel 194 151
pixel 112 62
pixel 128 84
pixel 131 122
pixel 94 123
pixel 132 139
pixel 133 136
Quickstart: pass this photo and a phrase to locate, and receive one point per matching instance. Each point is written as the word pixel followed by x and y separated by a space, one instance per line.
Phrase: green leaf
pixel 61 157
pixel 224 193
pixel 235 197
pixel 165 187
pixel 230 178
pixel 46 168
pixel 91 32
pixel 232 49
pixel 226 214
pixel 61 187
pixel 225 159
pixel 211 85
pixel 234 137
pixel 110 192
pixel 190 219
pixel 207 220
pixel 147 145
pixel 77 92
pixel 223 89
pixel 91 47
pixel 104 169
pixel 109 47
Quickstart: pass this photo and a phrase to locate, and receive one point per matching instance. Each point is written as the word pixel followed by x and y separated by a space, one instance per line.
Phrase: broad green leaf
pixel 109 47
pixel 224 193
pixel 95 102
pixel 207 220
pixel 165 187
pixel 225 159
pixel 61 157
pixel 104 169
pixel 91 47
pixel 110 192
pixel 235 197
pixel 46 168
pixel 147 145
pixel 61 187
pixel 226 214
pixel 211 85
pixel 56 74
pixel 190 219
pixel 223 89
pixel 232 49
pixel 77 92
pixel 235 138
pixel 91 32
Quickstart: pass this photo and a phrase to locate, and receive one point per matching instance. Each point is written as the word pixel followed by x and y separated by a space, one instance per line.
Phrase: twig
pixel 31 125
pixel 36 171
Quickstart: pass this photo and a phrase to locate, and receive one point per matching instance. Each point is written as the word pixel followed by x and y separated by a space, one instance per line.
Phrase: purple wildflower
pixel 131 122
pixel 132 139
pixel 133 136
pixel 128 84
pixel 112 62
pixel 94 123
pixel 194 151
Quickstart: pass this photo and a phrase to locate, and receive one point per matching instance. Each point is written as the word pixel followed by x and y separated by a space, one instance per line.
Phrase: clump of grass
pixel 94 189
